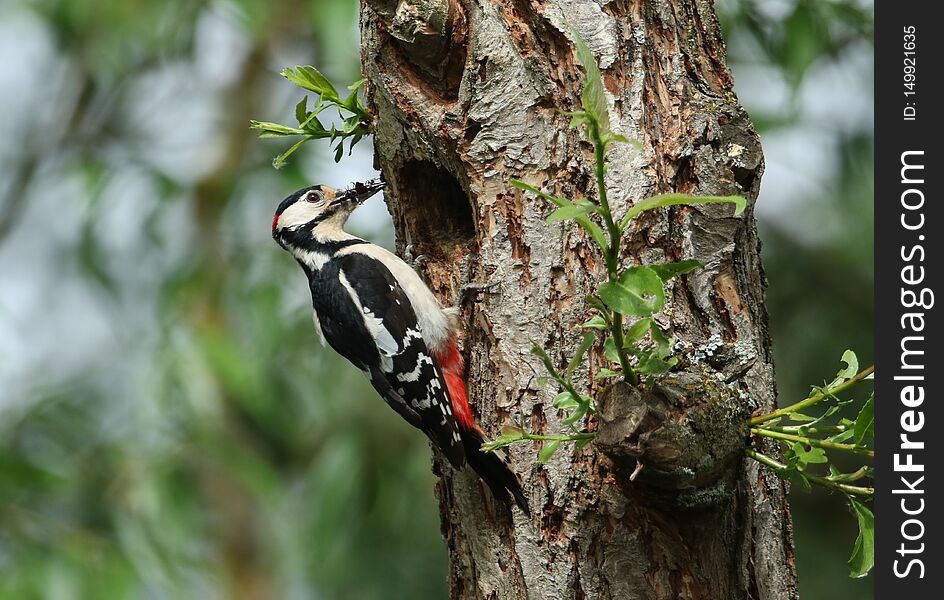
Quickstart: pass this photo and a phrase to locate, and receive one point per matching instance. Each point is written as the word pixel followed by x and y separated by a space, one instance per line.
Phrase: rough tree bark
pixel 468 94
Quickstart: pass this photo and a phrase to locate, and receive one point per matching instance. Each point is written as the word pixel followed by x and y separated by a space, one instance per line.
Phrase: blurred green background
pixel 169 426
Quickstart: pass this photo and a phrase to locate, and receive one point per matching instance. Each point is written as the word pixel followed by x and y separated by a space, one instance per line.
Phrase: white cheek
pixel 298 214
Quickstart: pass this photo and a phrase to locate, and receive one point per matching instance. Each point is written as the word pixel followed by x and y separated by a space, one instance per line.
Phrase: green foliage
pixel 638 292
pixel 808 441
pixel 863 552
pixel 675 199
pixel 642 350
pixel 355 118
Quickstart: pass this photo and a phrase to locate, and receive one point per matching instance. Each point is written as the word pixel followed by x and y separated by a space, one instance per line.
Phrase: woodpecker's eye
pixel 315 197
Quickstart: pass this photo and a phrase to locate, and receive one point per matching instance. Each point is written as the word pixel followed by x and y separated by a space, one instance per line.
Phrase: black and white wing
pixel 369 320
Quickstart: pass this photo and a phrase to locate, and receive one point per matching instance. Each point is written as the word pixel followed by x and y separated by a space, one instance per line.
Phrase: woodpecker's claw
pixel 414 261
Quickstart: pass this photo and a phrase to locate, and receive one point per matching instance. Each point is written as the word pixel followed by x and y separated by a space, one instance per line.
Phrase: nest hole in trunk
pixel 435 205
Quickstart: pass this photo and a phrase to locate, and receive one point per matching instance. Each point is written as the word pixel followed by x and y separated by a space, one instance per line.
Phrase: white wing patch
pixel 385 341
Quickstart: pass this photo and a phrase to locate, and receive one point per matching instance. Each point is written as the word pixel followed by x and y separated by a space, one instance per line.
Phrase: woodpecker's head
pixel 318 213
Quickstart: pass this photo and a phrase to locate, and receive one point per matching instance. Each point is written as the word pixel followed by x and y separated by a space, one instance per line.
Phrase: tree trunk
pixel 468 95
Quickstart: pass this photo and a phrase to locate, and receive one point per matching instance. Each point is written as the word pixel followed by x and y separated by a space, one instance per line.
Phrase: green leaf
pixel 509 435
pixel 863 552
pixel 836 475
pixel 636 331
pixel 548 450
pixel 579 444
pixel 852 368
pixel 596 303
pixel 655 365
pixel 578 119
pixel 275 129
pixel 841 436
pixel 584 221
pixel 800 478
pixel 301 110
pixel 353 104
pixel 585 344
pixel 609 350
pixel 797 416
pixel 311 79
pixel 663 345
pixel 565 401
pixel 674 199
pixel 314 126
pixel 594 230
pixel 616 137
pixel 356 138
pixel 852 365
pixel 339 152
pixel 658 357
pixel 555 200
pixel 548 364
pixel 865 422
pixel 578 414
pixel 593 98
pixel 596 322
pixel 639 292
pixel 571 211
pixel 807 455
pixel 669 270
pixel 606 374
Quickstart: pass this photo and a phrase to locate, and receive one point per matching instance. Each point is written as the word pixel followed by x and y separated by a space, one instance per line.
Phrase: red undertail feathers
pixel 453 370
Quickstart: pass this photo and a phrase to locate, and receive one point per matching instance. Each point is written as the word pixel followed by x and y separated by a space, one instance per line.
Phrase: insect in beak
pixel 360 192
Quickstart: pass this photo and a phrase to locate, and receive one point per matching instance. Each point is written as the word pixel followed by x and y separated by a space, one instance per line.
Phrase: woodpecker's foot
pixel 415 262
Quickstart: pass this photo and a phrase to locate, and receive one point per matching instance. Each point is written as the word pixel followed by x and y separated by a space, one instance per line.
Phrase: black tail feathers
pixel 493 471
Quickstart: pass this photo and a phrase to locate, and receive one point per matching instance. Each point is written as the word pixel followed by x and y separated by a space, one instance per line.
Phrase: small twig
pixel 822 481
pixel 814 399
pixel 814 442
pixel 524 436
pixel 812 430
pixel 637 471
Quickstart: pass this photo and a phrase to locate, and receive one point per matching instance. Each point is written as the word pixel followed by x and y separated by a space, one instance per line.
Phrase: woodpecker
pixel 373 309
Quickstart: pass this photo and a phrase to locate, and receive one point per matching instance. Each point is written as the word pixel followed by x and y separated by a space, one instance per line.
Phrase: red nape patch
pixel 452 367
pixel 275 223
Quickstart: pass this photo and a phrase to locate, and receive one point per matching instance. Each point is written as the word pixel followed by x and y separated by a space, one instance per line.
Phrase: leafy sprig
pixel 808 440
pixel 355 118
pixel 623 307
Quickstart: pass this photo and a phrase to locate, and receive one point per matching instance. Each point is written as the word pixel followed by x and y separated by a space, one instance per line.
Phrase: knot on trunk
pixel 687 431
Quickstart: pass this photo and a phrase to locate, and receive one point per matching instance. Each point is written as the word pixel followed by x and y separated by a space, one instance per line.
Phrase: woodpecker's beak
pixel 360 192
